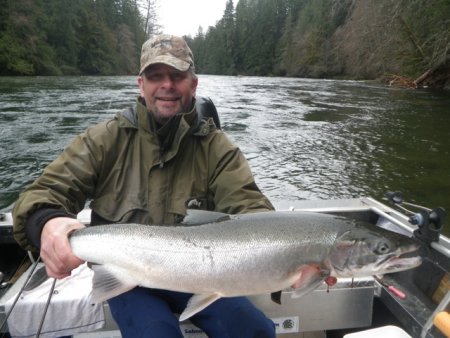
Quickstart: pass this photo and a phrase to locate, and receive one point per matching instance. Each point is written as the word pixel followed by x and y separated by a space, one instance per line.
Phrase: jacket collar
pixel 139 118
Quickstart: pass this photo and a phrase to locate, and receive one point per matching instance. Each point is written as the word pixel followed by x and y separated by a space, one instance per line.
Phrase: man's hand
pixel 55 247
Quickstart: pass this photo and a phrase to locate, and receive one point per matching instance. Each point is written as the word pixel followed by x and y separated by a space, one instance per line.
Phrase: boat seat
pixel 206 108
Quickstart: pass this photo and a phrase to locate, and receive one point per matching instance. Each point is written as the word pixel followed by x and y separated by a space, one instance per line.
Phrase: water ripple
pixel 304 138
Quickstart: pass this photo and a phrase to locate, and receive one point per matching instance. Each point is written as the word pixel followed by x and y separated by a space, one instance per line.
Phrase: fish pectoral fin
pixel 307 288
pixel 310 278
pixel 276 297
pixel 106 285
pixel 197 303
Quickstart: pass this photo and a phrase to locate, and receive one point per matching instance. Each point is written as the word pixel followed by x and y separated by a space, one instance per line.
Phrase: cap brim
pixel 167 60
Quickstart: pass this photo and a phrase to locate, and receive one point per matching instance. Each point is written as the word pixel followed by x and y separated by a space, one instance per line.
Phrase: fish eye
pixel 382 248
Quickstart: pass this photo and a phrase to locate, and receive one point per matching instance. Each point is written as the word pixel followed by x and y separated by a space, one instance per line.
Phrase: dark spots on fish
pixel 276 297
pixel 189 241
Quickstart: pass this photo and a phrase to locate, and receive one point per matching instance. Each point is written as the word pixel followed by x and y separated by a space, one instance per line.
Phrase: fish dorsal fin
pixel 197 303
pixel 198 217
pixel 106 285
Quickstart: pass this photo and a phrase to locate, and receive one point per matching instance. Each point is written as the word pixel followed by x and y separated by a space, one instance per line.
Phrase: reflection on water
pixel 304 139
pixel 309 139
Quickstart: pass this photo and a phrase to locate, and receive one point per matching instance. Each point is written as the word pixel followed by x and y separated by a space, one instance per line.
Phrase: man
pixel 145 166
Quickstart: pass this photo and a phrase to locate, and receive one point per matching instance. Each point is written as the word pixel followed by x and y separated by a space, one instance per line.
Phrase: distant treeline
pixel 360 39
pixel 55 37
pixel 404 41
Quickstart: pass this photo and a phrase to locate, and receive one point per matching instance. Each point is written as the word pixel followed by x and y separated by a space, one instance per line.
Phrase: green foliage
pixel 220 41
pixel 429 43
pixel 307 38
pixel 13 56
pixel 55 37
pixel 326 38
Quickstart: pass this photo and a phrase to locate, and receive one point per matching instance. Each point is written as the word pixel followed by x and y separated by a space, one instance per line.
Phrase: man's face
pixel 167 91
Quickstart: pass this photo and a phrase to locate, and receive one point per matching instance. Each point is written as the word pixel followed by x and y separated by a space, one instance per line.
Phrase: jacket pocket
pixel 129 208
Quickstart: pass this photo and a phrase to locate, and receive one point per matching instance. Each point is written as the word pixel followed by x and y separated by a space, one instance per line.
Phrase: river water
pixel 304 139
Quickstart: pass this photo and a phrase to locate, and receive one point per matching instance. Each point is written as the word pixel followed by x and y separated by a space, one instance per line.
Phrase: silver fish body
pixel 236 255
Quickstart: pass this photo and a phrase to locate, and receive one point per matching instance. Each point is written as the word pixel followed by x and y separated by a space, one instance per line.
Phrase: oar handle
pixel 442 322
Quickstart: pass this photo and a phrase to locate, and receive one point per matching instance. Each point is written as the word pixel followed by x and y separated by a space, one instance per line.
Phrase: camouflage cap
pixel 168 49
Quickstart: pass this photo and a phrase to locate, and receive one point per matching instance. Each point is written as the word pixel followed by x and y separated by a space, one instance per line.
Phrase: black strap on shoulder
pixel 206 108
pixel 204 105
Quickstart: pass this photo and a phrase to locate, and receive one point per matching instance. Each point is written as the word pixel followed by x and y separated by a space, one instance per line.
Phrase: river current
pixel 303 138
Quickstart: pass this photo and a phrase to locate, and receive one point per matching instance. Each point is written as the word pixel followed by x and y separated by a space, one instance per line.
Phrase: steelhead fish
pixel 224 256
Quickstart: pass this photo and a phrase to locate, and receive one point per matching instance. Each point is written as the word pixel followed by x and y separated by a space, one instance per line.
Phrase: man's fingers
pixel 55 274
pixel 54 266
pixel 55 246
pixel 65 256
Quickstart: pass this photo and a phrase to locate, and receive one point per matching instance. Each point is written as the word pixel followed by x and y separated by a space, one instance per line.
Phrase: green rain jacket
pixel 130 173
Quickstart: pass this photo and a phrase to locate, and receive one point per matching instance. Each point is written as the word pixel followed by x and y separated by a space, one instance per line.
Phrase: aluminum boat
pixel 410 301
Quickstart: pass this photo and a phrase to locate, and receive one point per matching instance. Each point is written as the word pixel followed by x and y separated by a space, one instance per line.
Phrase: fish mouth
pixel 403 260
pixel 396 264
pixel 388 265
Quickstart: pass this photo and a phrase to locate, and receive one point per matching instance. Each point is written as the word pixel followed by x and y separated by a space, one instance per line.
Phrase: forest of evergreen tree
pixel 357 39
pixel 70 37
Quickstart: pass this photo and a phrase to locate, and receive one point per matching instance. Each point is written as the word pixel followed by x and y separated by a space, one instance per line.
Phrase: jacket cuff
pixel 37 220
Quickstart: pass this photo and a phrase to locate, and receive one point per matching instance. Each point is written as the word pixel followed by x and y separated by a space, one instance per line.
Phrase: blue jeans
pixel 147 313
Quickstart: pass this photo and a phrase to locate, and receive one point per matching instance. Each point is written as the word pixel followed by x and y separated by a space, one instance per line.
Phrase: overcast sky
pixel 183 17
